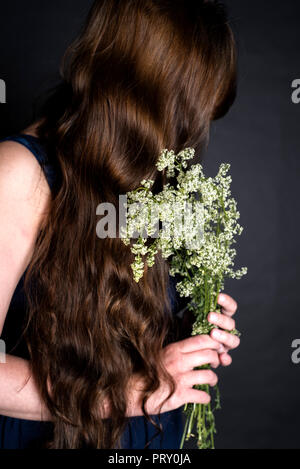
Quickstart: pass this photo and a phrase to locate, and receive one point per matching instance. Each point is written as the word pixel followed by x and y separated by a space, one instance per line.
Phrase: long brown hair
pixel 143 75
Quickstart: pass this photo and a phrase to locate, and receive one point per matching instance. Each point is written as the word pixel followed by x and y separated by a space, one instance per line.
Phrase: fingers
pixel 198 342
pixel 198 397
pixel 225 359
pixel 221 320
pixel 229 305
pixel 200 358
pixel 229 340
pixel 199 377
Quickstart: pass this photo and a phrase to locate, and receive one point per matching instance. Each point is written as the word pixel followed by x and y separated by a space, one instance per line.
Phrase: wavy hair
pixel 142 75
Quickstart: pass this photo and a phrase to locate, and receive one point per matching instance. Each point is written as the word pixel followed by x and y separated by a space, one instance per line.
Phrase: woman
pixel 101 365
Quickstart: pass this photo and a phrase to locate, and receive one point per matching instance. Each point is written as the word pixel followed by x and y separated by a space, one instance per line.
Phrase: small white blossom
pixel 194 223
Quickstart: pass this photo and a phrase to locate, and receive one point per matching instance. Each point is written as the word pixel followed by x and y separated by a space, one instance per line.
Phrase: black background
pixel 260 138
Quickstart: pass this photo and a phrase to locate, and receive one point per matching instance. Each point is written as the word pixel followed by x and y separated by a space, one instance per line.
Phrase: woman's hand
pixel 181 357
pixel 224 321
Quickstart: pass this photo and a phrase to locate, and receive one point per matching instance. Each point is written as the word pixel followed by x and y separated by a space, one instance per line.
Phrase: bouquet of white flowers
pixel 193 223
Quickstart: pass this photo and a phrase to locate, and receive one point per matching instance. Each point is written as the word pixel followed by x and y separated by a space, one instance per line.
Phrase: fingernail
pixel 217 334
pixel 213 317
pixel 221 297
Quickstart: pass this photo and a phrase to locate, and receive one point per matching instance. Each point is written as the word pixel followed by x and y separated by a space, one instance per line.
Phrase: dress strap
pixel 38 150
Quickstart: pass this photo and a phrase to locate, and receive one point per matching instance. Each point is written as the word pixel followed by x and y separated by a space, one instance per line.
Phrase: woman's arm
pixel 19 397
pixel 24 195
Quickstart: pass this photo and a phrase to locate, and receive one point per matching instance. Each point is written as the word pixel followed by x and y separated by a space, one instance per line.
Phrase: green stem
pixel 184 432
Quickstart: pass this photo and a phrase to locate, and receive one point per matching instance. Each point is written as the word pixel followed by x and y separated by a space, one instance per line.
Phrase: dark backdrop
pixel 259 137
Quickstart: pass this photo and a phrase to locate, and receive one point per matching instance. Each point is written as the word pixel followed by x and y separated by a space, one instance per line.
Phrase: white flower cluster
pixel 168 160
pixel 194 221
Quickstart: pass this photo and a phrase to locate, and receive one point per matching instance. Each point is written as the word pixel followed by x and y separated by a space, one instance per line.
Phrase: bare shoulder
pixel 17 159
pixel 22 181
pixel 24 197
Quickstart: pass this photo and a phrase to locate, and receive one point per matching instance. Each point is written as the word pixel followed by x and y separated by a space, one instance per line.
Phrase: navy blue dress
pixel 19 433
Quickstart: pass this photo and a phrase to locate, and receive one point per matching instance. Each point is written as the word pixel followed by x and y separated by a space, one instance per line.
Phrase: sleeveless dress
pixel 20 433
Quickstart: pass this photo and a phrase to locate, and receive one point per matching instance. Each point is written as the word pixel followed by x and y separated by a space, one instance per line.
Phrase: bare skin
pixel 180 358
pixel 24 198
